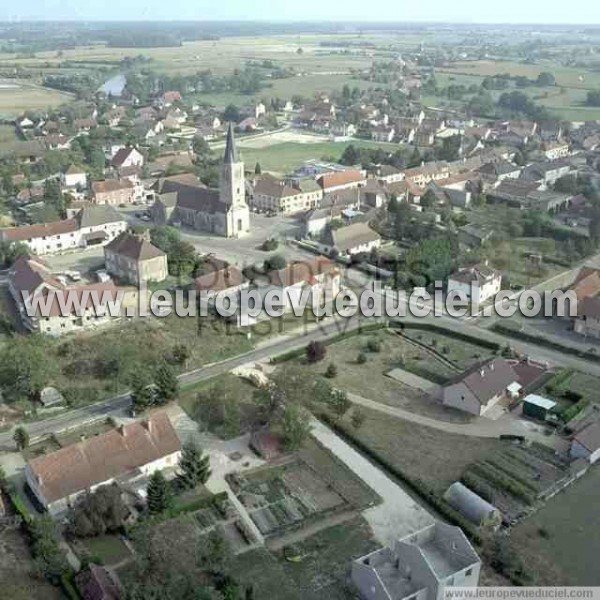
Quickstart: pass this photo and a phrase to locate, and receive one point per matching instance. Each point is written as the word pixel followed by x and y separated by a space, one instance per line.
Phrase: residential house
pixel 420 566
pixel 319 275
pixel 389 174
pixel 587 290
pixel 586 443
pixel 383 133
pixel 127 157
pixel 553 150
pixel 74 177
pixel 499 171
pixel 546 173
pixel 126 453
pixel 134 259
pixel 341 180
pixel 427 172
pixel 480 387
pixel 350 239
pixel 275 195
pixel 47 304
pixel 166 99
pixel 473 236
pixel 90 226
pixel 478 283
pixel 113 191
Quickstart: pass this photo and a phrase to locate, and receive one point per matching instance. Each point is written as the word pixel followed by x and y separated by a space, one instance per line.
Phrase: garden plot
pixel 515 478
pixel 285 496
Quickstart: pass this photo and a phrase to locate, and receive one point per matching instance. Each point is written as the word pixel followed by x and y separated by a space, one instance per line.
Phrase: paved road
pixel 119 405
pixel 398 515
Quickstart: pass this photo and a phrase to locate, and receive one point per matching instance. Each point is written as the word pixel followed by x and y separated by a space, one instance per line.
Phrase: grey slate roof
pixel 98 214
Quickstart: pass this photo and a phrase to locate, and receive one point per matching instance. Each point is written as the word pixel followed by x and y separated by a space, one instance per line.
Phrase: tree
pixel 180 354
pixel 339 402
pixel 275 262
pixel 315 351
pixel 10 251
pixel 357 418
pixel 331 371
pixel 295 426
pixel 142 395
pixel 21 438
pixel 98 512
pixel 50 558
pixel 53 196
pixel 428 199
pixel 257 169
pixel 26 366
pixel 593 98
pixel 361 359
pixel 166 383
pixel 545 79
pixel 231 113
pixel 160 497
pixel 194 466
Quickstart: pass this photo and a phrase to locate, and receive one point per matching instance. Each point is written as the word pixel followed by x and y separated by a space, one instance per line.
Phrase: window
pixel 468 572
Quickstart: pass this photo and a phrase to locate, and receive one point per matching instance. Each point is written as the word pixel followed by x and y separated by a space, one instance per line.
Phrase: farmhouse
pixel 129 452
pixel 419 566
pixel 481 387
pixel 74 177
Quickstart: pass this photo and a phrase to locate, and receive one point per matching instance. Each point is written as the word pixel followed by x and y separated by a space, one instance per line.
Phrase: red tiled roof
pixel 329 180
pixel 104 457
pixel 28 232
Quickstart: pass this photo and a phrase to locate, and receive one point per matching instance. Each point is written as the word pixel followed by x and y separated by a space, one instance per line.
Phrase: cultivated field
pixel 14 101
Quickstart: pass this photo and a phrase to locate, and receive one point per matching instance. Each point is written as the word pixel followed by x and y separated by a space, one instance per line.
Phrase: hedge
pixel 415 485
pixel 534 339
pixel 299 352
pixel 459 335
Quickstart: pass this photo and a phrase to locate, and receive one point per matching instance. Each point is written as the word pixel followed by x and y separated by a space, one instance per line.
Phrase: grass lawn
pixel 284 157
pixel 109 549
pixel 435 457
pixel 321 572
pixel 369 379
pixel 558 543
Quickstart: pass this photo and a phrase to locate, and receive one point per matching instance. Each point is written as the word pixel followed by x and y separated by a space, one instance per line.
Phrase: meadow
pixel 14 101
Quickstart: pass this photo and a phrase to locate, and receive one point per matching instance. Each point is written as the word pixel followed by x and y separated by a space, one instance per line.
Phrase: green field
pixel 284 157
pixel 558 542
pixel 15 101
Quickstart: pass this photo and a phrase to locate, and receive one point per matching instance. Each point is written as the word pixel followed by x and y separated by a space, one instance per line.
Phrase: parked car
pixel 102 276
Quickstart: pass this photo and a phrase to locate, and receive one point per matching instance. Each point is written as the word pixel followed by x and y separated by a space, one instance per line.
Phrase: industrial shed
pixel 471 506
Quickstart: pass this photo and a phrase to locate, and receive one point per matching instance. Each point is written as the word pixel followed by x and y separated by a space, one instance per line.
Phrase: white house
pixel 74 177
pixel 93 225
pixel 127 452
pixel 420 566
pixel 478 283
pixel 127 157
pixel 351 239
pixel 481 387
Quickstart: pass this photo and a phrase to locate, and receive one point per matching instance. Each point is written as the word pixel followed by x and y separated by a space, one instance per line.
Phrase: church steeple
pixel 231 154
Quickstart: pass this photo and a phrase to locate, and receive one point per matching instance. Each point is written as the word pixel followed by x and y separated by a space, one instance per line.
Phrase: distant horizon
pixel 353 21
pixel 468 12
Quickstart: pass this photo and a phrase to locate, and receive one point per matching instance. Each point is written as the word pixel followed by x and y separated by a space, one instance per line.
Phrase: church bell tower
pixel 232 189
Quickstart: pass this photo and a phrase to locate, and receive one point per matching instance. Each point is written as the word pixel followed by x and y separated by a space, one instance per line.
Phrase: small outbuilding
pixel 537 407
pixel 472 506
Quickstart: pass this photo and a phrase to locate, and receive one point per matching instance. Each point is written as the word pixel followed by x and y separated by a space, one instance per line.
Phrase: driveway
pixel 420 383
pixel 509 423
pixel 398 514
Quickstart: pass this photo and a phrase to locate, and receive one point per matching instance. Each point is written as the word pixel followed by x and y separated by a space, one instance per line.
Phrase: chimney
pixel 148 425
pixel 482 373
pixel 121 430
pixel 491 366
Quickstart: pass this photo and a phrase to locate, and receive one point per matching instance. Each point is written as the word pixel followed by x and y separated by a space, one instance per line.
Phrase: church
pixel 184 201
